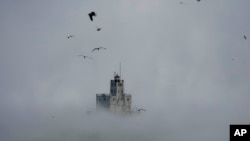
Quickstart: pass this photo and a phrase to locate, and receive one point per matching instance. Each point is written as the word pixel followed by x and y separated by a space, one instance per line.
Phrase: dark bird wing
pixel 245 37
pixel 91 14
pixel 94 49
pixel 69 36
pixel 141 110
pixel 98 28
pixel 84 56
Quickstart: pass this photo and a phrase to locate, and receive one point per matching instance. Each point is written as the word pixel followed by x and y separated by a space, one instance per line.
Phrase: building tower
pixel 116 100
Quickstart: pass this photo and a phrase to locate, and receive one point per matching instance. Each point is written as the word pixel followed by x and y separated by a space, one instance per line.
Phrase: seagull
pixel 181 2
pixel 84 56
pixel 245 37
pixel 141 110
pixel 98 48
pixel 91 14
pixel 70 36
pixel 98 28
pixel 198 0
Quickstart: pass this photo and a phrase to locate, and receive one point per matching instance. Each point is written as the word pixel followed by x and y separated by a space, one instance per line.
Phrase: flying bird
pixel 84 56
pixel 91 14
pixel 98 28
pixel 70 36
pixel 141 110
pixel 98 48
pixel 181 2
pixel 198 0
pixel 245 37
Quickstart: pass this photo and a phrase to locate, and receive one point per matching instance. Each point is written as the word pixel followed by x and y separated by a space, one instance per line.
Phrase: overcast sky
pixel 187 64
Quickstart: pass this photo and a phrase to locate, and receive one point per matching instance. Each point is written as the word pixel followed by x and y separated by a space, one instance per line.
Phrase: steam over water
pixel 76 125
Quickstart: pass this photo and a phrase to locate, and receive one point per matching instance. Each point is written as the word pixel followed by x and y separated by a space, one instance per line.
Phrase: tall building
pixel 116 100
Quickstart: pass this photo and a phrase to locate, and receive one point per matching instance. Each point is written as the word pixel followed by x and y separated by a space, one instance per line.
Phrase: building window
pixel 113 99
pixel 127 99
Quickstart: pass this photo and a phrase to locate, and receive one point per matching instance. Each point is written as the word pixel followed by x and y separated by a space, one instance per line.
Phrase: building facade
pixel 116 100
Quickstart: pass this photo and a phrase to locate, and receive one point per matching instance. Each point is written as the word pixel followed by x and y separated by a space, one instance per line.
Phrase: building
pixel 116 100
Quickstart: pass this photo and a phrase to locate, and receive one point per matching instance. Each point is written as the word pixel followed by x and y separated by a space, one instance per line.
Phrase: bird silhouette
pixel 181 2
pixel 245 37
pixel 141 110
pixel 70 36
pixel 198 0
pixel 98 28
pixel 98 48
pixel 84 56
pixel 91 14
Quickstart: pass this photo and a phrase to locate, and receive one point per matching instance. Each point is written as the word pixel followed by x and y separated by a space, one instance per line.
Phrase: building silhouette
pixel 116 100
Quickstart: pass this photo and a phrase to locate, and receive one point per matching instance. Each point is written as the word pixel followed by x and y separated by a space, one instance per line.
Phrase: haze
pixel 187 64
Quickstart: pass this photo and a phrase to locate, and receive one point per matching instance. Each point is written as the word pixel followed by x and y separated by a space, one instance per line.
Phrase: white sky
pixel 177 62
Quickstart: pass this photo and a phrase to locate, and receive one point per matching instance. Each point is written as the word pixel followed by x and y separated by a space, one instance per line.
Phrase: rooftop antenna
pixel 120 70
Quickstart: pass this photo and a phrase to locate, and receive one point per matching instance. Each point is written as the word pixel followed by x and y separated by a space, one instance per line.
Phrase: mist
pixel 186 64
